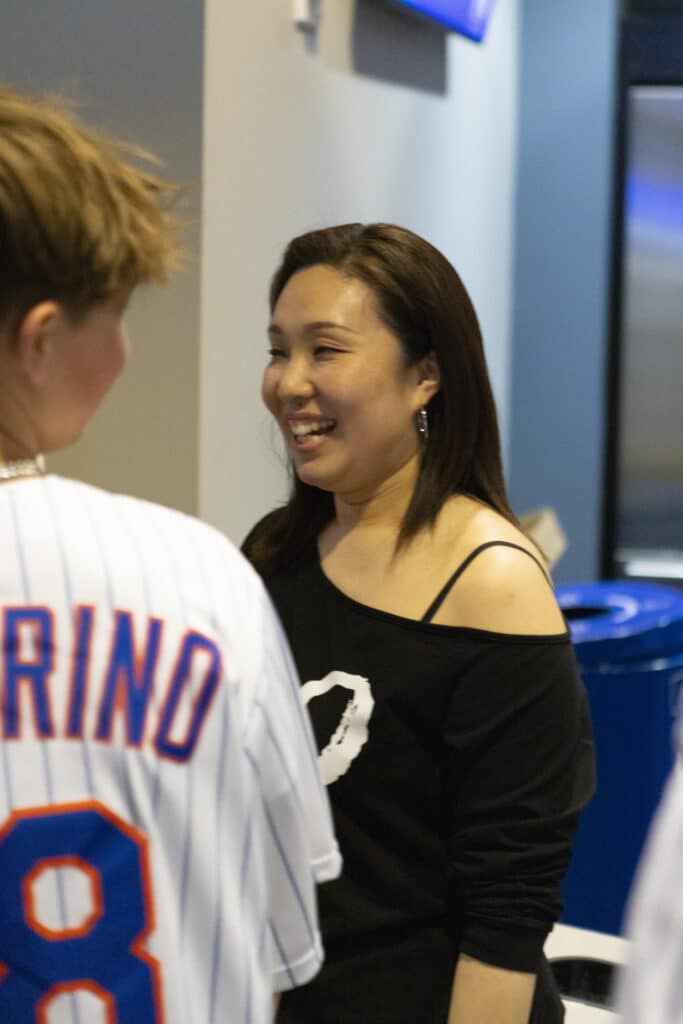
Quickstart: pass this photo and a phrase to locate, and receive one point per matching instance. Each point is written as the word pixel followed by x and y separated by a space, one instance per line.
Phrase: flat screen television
pixel 468 17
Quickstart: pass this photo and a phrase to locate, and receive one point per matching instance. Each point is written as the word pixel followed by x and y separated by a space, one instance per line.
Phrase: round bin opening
pixel 584 978
pixel 585 612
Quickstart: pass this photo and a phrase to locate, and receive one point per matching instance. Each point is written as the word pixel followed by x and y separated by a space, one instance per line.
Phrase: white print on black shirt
pixel 351 734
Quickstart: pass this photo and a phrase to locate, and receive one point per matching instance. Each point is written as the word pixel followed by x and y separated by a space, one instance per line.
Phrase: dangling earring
pixel 422 424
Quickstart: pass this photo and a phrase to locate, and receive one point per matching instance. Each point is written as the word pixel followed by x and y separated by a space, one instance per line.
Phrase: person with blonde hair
pixel 162 823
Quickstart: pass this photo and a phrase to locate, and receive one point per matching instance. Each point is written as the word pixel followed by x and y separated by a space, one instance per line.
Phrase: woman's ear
pixel 429 377
pixel 35 339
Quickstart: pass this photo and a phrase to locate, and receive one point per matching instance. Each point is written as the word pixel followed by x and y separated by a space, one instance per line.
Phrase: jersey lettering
pixel 193 644
pixel 28 659
pixel 129 679
pixel 125 687
pixel 83 628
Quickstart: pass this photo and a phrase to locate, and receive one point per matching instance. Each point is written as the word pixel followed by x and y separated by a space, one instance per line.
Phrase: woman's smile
pixel 309 433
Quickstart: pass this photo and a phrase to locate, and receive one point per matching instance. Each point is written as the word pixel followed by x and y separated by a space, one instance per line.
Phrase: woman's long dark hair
pixel 421 298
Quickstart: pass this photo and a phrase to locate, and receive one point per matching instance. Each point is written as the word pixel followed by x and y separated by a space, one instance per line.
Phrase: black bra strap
pixel 441 596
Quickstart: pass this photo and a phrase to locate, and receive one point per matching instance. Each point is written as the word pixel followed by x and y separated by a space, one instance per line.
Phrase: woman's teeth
pixel 313 428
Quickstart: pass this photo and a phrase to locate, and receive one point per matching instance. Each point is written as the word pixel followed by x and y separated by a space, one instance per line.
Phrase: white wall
pixel 295 137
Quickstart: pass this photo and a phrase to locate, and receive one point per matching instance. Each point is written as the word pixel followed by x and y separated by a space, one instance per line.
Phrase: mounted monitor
pixel 643 459
pixel 468 17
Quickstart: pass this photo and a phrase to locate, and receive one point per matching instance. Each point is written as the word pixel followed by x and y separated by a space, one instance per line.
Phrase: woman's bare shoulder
pixel 503 589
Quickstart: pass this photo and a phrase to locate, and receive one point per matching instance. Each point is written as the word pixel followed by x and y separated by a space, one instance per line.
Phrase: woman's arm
pixel 518 770
pixel 483 994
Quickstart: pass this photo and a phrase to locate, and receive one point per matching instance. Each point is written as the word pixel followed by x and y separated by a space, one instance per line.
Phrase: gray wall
pixel 561 287
pixel 567 119
pixel 379 120
pixel 135 68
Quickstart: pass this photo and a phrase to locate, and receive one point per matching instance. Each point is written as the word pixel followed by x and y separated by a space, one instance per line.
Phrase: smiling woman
pixel 450 718
pixel 341 386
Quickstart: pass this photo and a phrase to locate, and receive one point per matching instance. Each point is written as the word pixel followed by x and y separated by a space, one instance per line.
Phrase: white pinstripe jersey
pixel 156 864
pixel 651 986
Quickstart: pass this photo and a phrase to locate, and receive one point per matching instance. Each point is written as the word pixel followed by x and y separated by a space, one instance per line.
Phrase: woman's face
pixel 338 384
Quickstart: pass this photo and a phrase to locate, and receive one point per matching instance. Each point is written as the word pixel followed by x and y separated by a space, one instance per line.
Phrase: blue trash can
pixel 629 643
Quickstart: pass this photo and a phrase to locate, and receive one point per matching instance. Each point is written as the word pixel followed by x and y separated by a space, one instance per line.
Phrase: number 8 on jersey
pixel 104 954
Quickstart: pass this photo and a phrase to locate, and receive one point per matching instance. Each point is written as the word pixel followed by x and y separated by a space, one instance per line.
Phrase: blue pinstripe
pixel 222 776
pixel 262 938
pixel 278 749
pixel 131 534
pixel 187 843
pixel 7 771
pixel 283 856
pixel 9 794
pixel 218 923
pixel 26 595
pixel 246 850
pixel 246 854
pixel 156 790
pixel 132 537
pixel 281 951
pixel 109 589
pixel 68 591
pixel 20 547
pixel 47 771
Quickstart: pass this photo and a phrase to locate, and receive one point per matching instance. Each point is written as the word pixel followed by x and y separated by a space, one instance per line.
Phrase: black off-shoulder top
pixel 457 761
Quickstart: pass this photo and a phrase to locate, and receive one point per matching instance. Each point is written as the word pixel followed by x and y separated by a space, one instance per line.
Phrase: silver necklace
pixel 22 467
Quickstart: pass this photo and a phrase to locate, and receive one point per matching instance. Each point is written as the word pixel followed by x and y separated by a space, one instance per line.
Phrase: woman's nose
pixel 295 379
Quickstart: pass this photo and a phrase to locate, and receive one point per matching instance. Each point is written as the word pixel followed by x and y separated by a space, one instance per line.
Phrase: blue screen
pixel 469 17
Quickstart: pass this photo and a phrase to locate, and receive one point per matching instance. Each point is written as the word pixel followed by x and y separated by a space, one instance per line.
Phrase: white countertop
pixel 567 941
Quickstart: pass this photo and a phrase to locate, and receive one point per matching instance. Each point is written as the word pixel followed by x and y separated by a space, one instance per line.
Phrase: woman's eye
pixel 323 350
pixel 276 353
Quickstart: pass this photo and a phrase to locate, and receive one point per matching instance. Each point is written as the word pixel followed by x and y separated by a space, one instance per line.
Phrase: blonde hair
pixel 79 222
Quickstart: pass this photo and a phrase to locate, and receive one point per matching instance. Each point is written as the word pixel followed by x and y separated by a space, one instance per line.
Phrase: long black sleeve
pixel 519 768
